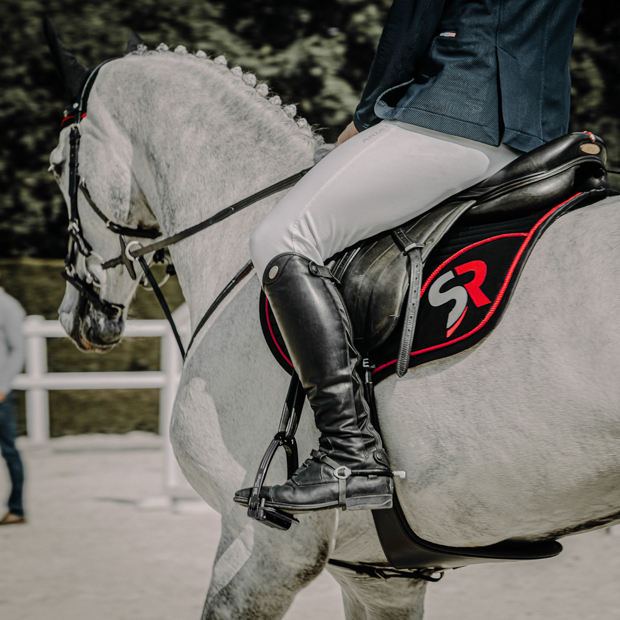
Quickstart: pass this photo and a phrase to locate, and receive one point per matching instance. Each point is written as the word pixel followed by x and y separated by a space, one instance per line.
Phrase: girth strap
pixel 381 571
pixel 413 251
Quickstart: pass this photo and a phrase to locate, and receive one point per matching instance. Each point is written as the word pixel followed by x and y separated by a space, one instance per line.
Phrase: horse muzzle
pixel 90 328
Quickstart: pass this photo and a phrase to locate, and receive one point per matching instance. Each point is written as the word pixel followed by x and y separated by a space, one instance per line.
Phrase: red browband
pixel 66 118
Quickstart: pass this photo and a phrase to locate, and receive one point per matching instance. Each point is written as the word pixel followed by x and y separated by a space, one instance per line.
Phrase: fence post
pixel 171 365
pixel 37 401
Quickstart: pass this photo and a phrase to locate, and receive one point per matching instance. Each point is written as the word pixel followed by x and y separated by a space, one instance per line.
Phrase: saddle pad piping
pixel 273 336
pixel 513 266
pixel 466 249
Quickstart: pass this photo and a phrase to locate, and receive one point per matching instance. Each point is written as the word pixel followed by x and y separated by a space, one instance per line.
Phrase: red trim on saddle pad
pixel 273 336
pixel 66 118
pixel 460 302
pixel 498 299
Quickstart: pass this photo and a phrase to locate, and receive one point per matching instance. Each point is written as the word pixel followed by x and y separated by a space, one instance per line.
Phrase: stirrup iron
pixel 285 437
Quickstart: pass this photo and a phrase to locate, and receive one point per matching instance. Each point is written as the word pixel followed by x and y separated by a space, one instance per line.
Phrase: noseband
pixel 90 287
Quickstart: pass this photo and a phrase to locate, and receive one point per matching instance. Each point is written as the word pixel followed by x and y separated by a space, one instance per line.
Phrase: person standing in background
pixel 11 362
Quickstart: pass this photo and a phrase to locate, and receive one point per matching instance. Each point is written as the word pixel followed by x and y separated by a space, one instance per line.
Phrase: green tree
pixel 595 71
pixel 315 53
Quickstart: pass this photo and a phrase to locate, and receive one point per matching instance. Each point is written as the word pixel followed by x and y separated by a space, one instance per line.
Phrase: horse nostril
pixel 98 330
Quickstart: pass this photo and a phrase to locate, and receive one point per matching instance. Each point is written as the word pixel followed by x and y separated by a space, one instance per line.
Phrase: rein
pixel 133 251
pixel 78 245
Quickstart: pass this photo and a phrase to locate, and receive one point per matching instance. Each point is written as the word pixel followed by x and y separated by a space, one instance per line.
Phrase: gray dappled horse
pixel 515 438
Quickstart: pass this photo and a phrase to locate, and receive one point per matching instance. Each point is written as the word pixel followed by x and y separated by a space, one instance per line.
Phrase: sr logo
pixel 460 294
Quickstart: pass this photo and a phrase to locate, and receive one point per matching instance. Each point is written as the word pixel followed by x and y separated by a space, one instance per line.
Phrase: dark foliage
pixel 315 53
pixel 595 70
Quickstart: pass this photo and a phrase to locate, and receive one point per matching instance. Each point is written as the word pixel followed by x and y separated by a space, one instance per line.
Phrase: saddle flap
pixel 374 274
pixel 374 286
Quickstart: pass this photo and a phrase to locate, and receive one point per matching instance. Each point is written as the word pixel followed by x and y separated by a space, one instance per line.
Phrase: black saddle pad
pixel 468 282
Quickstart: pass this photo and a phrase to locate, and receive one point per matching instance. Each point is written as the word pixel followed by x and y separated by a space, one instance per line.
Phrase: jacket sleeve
pixel 12 324
pixel 409 29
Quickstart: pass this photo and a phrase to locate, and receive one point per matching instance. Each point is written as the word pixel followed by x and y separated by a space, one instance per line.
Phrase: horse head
pixel 108 213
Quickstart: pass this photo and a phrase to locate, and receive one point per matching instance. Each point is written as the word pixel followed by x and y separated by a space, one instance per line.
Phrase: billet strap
pixel 413 251
pixel 162 302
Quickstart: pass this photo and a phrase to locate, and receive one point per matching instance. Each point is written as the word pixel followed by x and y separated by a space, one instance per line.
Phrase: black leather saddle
pixel 377 275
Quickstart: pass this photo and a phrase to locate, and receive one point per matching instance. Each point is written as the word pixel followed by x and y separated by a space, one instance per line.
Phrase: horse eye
pixel 55 169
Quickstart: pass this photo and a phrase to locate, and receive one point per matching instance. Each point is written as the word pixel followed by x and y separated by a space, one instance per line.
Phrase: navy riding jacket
pixel 494 71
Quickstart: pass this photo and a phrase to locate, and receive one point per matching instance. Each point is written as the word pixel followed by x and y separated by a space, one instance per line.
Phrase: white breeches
pixel 377 180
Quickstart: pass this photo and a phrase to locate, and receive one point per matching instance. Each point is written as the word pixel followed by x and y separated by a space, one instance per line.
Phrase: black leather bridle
pixel 79 246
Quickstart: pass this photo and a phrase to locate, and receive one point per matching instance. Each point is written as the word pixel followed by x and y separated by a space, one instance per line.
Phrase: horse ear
pixel 72 74
pixel 134 42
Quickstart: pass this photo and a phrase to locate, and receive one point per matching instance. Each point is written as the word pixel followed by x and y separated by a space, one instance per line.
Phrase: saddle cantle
pixel 484 233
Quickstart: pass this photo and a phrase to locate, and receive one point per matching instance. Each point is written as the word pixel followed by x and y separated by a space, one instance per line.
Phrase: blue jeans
pixel 11 455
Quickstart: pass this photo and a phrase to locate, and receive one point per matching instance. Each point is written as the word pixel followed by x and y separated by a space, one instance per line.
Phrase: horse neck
pixel 202 140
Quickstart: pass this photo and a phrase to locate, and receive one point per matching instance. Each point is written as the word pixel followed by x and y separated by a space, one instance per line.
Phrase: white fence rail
pixel 37 381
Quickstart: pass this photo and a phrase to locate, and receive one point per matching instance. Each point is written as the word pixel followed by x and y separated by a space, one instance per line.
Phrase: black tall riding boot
pixel 350 470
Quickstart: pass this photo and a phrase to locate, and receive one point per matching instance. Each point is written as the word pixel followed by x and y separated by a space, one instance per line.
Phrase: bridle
pixel 131 251
pixel 78 245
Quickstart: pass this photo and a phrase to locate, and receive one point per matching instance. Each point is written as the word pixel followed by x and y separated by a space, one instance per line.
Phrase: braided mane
pixel 249 82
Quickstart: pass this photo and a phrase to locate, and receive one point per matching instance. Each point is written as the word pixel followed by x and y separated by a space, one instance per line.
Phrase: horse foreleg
pixel 258 570
pixel 371 598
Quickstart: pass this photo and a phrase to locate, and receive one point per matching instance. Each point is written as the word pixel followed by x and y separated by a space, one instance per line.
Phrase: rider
pixel 457 90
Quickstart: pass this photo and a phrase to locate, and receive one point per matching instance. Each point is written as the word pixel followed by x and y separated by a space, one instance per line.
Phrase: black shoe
pixel 350 470
pixel 321 484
